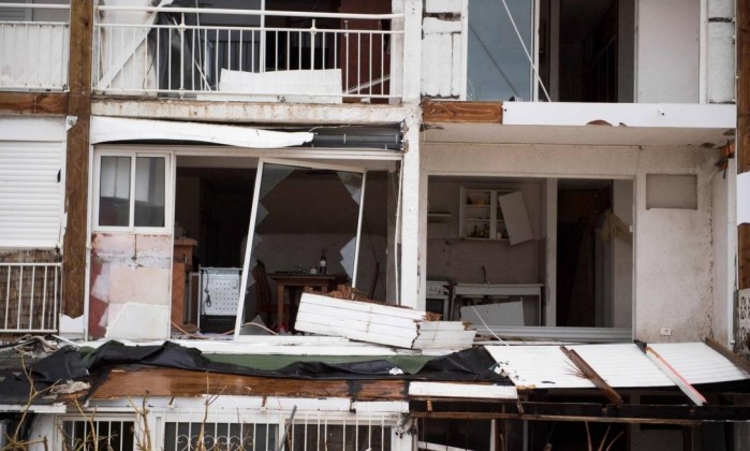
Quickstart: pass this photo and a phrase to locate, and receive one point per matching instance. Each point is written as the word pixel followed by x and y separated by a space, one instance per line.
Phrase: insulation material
pixel 380 324
pixel 110 129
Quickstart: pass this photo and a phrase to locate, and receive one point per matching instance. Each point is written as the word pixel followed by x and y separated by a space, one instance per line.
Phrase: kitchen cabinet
pixel 489 214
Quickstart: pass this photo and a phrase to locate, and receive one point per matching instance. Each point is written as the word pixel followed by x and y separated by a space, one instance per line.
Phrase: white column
pixel 412 75
pixel 413 219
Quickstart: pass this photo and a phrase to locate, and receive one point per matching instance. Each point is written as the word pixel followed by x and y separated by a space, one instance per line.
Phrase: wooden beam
pixel 44 103
pixel 593 376
pixel 743 132
pixel 77 159
pixel 486 112
pixel 731 356
pixel 572 411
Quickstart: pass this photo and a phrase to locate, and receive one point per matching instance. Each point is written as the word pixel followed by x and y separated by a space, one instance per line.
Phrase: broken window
pixel 131 191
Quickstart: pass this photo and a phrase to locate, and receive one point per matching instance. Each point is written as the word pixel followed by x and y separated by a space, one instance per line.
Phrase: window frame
pixel 167 228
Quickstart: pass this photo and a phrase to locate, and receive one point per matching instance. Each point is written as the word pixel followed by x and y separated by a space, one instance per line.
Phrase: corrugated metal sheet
pixel 621 365
pixel 31 194
pixel 698 363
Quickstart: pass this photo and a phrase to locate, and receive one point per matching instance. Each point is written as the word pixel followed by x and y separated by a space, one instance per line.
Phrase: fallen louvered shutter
pixel 31 194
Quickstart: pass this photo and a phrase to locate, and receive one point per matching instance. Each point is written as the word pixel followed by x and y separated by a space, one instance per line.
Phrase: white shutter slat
pixel 30 194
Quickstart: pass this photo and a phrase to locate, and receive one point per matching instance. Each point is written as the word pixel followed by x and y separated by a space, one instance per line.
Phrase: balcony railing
pixel 180 52
pixel 33 54
pixel 29 297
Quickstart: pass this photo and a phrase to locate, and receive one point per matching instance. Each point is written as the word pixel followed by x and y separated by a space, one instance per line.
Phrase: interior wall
pixel 622 199
pixel 626 51
pixel 462 259
pixel 668 51
pixel 673 248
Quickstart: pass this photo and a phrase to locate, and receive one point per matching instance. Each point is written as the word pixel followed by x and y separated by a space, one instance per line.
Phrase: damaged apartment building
pixel 506 225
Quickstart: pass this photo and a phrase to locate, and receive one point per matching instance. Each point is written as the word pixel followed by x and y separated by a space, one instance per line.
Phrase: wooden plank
pixel 461 390
pixel 77 159
pixel 593 376
pixel 120 384
pixel 731 356
pixel 685 386
pixel 743 131
pixel 437 111
pixel 31 103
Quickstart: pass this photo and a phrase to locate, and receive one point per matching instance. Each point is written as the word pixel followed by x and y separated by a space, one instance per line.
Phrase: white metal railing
pixel 319 57
pixel 34 53
pixel 29 297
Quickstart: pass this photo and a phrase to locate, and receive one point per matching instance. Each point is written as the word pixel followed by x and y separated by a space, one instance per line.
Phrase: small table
pixel 323 282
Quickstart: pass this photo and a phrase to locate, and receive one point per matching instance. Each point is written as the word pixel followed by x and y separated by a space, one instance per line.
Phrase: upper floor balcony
pixel 268 51
pixel 34 46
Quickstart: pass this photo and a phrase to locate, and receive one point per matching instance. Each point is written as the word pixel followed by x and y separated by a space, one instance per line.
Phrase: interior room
pixel 585 50
pixel 515 251
pixel 304 214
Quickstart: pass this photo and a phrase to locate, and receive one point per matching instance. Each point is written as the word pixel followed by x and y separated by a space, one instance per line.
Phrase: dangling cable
pixel 528 55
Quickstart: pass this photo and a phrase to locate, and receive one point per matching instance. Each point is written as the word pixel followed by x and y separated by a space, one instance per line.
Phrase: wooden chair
pixel 265 305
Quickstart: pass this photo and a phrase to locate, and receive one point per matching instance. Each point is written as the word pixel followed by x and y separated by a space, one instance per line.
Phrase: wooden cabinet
pixel 488 214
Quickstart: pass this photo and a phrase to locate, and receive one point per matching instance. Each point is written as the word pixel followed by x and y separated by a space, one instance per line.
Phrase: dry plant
pixel 15 441
pixel 604 439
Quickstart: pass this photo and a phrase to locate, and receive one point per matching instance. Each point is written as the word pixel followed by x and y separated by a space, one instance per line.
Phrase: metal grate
pixel 96 435
pixel 187 436
pixel 319 434
pixel 29 297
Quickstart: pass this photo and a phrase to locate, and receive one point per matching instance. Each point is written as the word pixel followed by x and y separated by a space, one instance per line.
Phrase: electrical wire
pixel 526 50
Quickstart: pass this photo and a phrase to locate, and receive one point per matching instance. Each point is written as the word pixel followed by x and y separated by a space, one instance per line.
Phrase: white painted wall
pixel 443 48
pixel 668 51
pixel 673 248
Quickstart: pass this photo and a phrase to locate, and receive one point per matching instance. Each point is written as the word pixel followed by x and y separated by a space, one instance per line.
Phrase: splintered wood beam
pixel 743 133
pixel 44 103
pixel 593 376
pixel 682 383
pixel 451 111
pixel 77 157
pixel 731 356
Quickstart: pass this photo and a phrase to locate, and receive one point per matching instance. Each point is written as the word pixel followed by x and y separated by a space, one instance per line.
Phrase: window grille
pixel 187 436
pixel 82 435
pixel 361 434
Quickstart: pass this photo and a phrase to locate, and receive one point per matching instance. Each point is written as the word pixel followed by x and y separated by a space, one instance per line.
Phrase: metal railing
pixel 30 296
pixel 317 57
pixel 34 54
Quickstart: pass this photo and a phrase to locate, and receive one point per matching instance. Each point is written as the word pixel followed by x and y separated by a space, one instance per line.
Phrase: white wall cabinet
pixel 487 214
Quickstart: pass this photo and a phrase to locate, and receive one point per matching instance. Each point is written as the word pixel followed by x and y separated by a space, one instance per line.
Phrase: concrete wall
pixel 668 51
pixel 673 248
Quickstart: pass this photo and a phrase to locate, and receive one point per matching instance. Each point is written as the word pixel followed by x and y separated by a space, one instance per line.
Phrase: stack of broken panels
pixel 380 324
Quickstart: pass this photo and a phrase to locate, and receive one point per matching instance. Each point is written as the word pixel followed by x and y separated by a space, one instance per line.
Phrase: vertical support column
pixel 413 220
pixel 77 159
pixel 412 44
pixel 743 163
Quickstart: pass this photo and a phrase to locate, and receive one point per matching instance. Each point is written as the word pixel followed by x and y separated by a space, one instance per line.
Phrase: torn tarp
pixel 467 365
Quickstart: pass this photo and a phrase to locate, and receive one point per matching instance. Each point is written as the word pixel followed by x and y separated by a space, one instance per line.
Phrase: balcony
pixel 34 46
pixel 245 55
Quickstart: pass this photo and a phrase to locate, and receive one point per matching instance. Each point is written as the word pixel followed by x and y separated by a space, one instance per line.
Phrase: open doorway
pixel 519 254
pixel 594 253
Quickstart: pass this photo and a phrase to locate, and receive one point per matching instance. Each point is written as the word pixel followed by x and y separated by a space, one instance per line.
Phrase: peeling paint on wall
pixel 742 338
pixel 130 283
